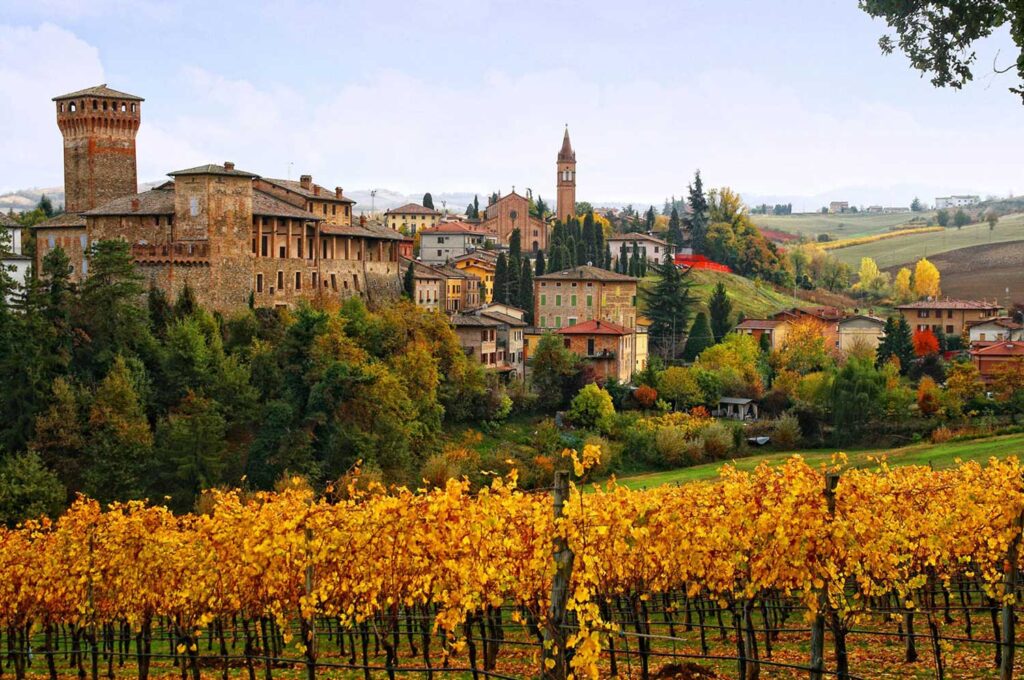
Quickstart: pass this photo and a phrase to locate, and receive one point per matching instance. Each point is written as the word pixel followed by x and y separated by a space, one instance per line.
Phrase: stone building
pixel 478 336
pixel 608 346
pixel 510 335
pixel 411 218
pixel 951 317
pixel 228 234
pixel 566 202
pixel 511 212
pixel 583 293
pixel 859 331
pixel 443 288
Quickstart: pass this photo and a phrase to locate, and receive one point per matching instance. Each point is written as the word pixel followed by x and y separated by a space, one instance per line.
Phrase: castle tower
pixel 99 127
pixel 566 206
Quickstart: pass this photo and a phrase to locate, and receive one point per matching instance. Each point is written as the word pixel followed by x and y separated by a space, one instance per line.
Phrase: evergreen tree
pixel 699 219
pixel 186 304
pixel 476 206
pixel 668 307
pixel 515 255
pixel 897 341
pixel 607 257
pixel 675 229
pixel 539 268
pixel 555 265
pixel 501 273
pixel 622 264
pixel 45 205
pixel 581 252
pixel 699 338
pixel 856 398
pixel 409 282
pixel 649 219
pixel 469 212
pixel 634 261
pixel 190 450
pixel 589 252
pixel 160 311
pixel 525 301
pixel 515 248
pixel 643 266
pixel 720 308
pixel 540 209
pixel 428 201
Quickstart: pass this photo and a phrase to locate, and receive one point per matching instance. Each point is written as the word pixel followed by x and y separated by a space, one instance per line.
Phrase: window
pixel 590 301
pixel 590 347
pixel 572 300
pixel 334 282
pixel 483 335
pixel 315 279
pixel 949 329
pixel 280 280
pixel 300 246
pixel 572 320
pixel 558 300
pixel 949 314
pixel 558 322
pixel 922 314
pixel 543 321
pixel 543 298
pixel 298 280
pixel 282 252
pixel 566 343
pixel 264 245
pixel 259 283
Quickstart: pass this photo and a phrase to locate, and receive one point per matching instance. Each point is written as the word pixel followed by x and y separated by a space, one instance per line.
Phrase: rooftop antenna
pixel 373 201
pixel 290 164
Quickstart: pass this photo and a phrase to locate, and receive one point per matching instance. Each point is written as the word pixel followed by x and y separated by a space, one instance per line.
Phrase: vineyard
pixel 785 571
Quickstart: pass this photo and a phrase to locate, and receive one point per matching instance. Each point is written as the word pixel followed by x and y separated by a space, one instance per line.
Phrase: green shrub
pixel 786 434
pixel 640 446
pixel 718 441
pixel 592 408
pixel 671 445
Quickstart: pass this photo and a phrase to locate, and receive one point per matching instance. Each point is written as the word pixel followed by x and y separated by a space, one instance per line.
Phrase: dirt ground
pixel 982 272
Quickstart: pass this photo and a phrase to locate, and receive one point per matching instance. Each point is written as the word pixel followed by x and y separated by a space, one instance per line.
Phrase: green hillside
pixel 908 249
pixel 847 225
pixel 754 299
pixel 936 455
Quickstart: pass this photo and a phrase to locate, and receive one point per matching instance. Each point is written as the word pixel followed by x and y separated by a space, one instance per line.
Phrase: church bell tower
pixel 566 204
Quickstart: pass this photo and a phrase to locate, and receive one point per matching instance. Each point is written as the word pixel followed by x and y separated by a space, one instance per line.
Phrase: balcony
pixel 179 252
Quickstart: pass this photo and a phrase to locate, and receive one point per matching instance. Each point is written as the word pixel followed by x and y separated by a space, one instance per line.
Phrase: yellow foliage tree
pixel 869 278
pixel 926 279
pixel 902 287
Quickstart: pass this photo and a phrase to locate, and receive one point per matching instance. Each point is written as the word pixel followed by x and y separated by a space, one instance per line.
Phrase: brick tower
pixel 566 205
pixel 99 127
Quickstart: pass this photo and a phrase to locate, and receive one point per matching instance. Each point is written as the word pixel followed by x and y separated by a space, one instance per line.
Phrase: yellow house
pixel 481 264
pixel 411 218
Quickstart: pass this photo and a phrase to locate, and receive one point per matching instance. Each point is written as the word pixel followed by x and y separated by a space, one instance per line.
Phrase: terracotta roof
pixel 566 153
pixel 584 272
pixel 99 91
pixel 8 221
pixel 265 205
pixel 1005 348
pixel 759 324
pixel 823 313
pixel 456 228
pixel 1001 321
pixel 636 236
pixel 488 257
pixel 506 319
pixel 863 317
pixel 296 186
pixel 595 327
pixel 361 231
pixel 153 202
pixel 471 320
pixel 211 169
pixel 420 270
pixel 411 209
pixel 62 221
pixel 949 304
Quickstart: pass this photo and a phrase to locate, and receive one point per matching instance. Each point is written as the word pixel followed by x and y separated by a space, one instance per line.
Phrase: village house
pixel 775 330
pixel 451 240
pixel 651 248
pixel 607 346
pixel 583 293
pixel 859 331
pixel 996 329
pixel 481 264
pixel 478 336
pixel 990 359
pixel 411 218
pixel 951 317
pixel 12 257
pixel 510 335
pixel 443 288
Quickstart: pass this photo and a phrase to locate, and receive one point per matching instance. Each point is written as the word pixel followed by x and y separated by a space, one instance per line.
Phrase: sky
pixel 775 99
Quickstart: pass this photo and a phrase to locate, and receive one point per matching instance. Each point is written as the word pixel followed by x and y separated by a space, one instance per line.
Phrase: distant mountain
pixel 27 199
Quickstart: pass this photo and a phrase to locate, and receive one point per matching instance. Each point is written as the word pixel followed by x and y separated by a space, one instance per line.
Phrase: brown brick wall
pixel 609 301
pixel 99 151
pixel 619 364
pixel 73 241
pixel 531 230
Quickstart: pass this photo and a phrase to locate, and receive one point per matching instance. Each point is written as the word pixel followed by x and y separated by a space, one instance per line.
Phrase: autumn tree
pixel 926 279
pixel 902 287
pixel 803 349
pixel 680 387
pixel 929 399
pixel 925 342
pixel 552 368
pixel 870 279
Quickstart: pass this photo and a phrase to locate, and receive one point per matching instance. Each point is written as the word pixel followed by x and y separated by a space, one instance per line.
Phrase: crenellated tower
pixel 566 202
pixel 99 126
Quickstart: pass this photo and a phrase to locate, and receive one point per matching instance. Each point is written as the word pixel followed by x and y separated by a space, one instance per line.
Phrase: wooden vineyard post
pixel 1010 591
pixel 310 625
pixel 554 634
pixel 818 626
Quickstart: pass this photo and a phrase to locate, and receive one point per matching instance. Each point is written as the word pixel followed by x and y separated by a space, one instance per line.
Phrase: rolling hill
pixel 847 225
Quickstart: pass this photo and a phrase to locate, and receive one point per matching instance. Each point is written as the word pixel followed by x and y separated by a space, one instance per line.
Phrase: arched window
pixel 71 107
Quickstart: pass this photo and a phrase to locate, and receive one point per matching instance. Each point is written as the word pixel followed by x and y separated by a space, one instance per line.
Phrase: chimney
pixel 306 181
pixel 135 205
pixel 362 220
pixel 316 189
pixel 229 166
pixel 338 192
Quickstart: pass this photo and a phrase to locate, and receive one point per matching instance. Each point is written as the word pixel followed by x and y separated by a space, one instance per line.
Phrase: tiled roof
pixel 456 228
pixel 759 324
pixel 361 231
pixel 8 221
pixel 212 169
pixel 296 186
pixel 949 304
pixel 62 221
pixel 1001 321
pixel 1002 349
pixel 595 327
pixel 412 209
pixel 265 205
pixel 477 321
pixel 585 273
pixel 636 236
pixel 488 257
pixel 506 319
pixel 152 202
pixel 99 91
pixel 863 317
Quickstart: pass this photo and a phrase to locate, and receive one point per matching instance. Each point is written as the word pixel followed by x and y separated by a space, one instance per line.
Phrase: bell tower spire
pixel 566 164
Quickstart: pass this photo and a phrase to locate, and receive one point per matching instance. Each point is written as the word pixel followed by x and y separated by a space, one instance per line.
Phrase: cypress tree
pixel 539 271
pixel 500 280
pixel 622 264
pixel 675 229
pixel 555 265
pixel 720 307
pixel 607 257
pixel 590 253
pixel 563 253
pixel 525 301
pixel 409 283
pixel 699 338
pixel 428 201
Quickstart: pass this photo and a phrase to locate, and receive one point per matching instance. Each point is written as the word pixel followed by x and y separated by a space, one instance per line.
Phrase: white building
pixel 651 248
pixel 962 201
pixel 451 240
pixel 996 329
pixel 14 260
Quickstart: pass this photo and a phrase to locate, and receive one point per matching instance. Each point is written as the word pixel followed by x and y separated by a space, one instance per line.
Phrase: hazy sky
pixel 786 97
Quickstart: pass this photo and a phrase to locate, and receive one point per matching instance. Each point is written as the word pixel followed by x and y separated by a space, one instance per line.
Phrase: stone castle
pixel 233 236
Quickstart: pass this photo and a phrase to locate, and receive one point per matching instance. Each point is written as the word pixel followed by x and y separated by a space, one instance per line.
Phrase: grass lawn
pixel 938 455
pixel 754 299
pixel 847 225
pixel 909 249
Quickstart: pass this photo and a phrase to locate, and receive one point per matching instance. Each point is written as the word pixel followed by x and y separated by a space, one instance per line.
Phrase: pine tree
pixel 675 229
pixel 186 304
pixel 45 205
pixel 897 341
pixel 500 280
pixel 526 291
pixel 409 282
pixel 699 219
pixel 668 307
pixel 428 201
pixel 539 269
pixel 720 307
pixel 699 338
